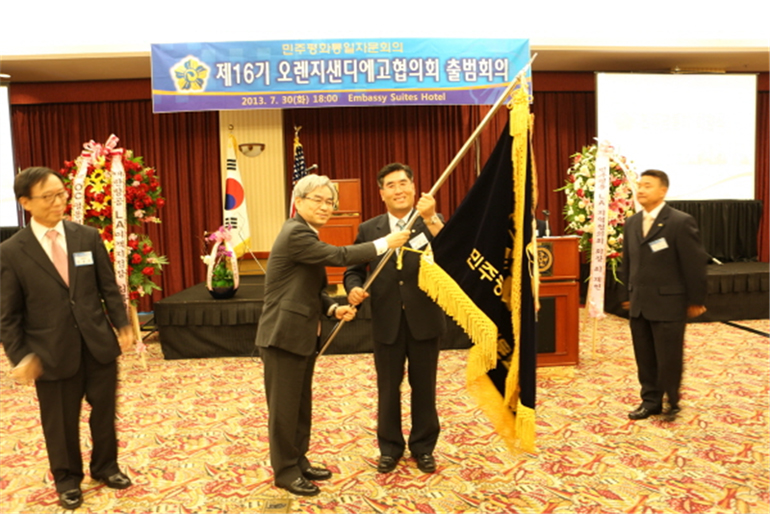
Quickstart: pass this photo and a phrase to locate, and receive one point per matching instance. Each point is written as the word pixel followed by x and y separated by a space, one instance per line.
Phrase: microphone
pixel 547 225
pixel 313 167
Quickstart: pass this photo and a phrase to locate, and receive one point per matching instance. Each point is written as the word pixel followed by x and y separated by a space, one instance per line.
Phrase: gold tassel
pixel 516 430
pixel 525 428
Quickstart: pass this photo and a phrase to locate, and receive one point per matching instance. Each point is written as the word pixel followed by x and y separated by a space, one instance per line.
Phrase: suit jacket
pixel 395 290
pixel 294 286
pixel 665 271
pixel 41 315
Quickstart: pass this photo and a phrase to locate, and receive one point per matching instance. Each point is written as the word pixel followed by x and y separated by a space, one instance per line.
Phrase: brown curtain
pixel 565 122
pixel 182 147
pixel 357 142
pixel 761 179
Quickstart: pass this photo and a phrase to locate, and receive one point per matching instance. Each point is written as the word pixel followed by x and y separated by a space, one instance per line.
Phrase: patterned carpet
pixel 193 438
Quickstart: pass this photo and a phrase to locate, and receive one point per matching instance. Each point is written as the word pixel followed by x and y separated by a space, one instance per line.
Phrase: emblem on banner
pixel 190 75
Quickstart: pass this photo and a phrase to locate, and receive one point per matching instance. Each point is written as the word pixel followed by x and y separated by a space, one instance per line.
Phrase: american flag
pixel 299 168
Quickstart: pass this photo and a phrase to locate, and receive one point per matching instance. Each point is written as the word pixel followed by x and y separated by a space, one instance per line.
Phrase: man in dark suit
pixel 664 269
pixel 406 324
pixel 56 280
pixel 289 328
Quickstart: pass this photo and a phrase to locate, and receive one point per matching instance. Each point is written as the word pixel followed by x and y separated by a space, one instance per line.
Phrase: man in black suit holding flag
pixel 406 323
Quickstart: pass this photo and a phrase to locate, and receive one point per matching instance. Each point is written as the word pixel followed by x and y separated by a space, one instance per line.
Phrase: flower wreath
pixel 143 199
pixel 578 211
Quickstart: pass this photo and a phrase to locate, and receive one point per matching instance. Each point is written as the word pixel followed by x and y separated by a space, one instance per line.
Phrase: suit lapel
pixel 382 227
pixel 75 244
pixel 32 247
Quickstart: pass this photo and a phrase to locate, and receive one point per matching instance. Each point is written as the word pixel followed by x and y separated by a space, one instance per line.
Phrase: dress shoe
pixel 301 487
pixel 426 463
pixel 316 473
pixel 116 481
pixel 643 413
pixel 671 413
pixel 387 464
pixel 71 499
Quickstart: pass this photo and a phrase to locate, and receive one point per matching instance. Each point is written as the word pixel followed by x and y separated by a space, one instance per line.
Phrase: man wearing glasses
pixel 56 281
pixel 290 327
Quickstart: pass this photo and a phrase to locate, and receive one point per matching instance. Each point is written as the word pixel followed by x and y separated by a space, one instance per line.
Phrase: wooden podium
pixel 557 327
pixel 342 227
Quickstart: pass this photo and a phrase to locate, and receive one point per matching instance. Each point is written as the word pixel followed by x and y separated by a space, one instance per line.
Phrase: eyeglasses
pixel 328 202
pixel 50 197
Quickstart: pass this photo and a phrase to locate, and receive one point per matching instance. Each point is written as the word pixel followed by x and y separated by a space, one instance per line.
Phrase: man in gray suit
pixel 664 269
pixel 406 324
pixel 56 280
pixel 289 328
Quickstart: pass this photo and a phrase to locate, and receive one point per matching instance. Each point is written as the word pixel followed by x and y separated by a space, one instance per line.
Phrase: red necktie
pixel 58 256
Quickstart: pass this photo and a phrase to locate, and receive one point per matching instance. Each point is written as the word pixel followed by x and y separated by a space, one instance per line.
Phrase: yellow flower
pixel 98 185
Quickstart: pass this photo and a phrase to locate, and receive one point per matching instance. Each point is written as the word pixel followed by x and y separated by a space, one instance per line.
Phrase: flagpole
pixel 444 176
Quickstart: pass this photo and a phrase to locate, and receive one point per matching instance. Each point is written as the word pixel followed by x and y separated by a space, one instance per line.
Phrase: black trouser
pixel 60 402
pixel 289 393
pixel 389 361
pixel 659 352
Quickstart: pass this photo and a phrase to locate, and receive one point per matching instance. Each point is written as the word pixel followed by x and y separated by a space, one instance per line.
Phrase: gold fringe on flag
pixel 480 329
pixel 517 431
pixel 519 118
pixel 534 264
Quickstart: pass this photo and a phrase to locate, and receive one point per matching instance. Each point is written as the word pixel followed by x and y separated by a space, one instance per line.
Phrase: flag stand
pixel 137 330
pixel 444 176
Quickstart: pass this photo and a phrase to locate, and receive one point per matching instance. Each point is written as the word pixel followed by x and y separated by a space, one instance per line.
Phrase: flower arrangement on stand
pixel 222 277
pixel 113 190
pixel 143 199
pixel 578 211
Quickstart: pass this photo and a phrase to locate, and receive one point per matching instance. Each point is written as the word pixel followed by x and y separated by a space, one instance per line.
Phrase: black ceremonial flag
pixel 488 290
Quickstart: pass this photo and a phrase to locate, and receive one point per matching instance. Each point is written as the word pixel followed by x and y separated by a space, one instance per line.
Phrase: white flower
pixel 207 259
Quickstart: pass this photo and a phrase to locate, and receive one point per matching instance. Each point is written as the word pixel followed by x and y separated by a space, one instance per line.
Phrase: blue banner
pixel 332 73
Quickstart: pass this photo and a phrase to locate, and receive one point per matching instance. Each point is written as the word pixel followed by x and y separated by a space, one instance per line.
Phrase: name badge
pixel 83 258
pixel 658 245
pixel 418 241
